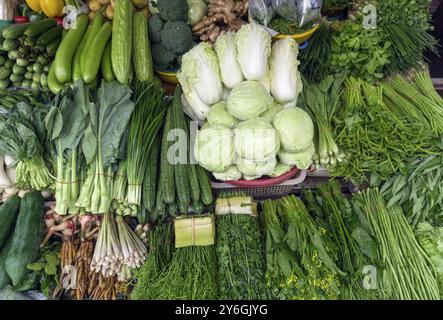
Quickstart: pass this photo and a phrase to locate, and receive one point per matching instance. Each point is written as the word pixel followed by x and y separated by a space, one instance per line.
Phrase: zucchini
pixel 10 44
pixel 122 40
pixel 76 63
pixel 106 65
pixel 96 25
pixel 166 168
pixel 51 49
pixel 14 31
pixel 50 35
pixel 142 57
pixel 150 180
pixel 22 62
pixel 16 69
pixel 4 73
pixel 4 278
pixel 180 169
pixel 53 84
pixel 66 51
pixel 39 27
pixel 27 236
pixel 8 216
pixel 95 53
pixel 205 186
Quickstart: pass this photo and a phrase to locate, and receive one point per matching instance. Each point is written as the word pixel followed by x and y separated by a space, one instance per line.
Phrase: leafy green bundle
pixel 24 138
pixel 298 253
pixel 413 13
pixel 240 256
pixel 416 278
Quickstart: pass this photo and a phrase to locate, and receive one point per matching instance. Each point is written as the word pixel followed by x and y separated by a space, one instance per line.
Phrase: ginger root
pixel 223 16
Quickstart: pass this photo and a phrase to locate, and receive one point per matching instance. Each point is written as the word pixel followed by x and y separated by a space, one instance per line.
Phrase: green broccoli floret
pixel 176 36
pixel 161 57
pixel 155 27
pixel 173 10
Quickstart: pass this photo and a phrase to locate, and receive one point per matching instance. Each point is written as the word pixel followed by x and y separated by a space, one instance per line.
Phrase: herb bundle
pixel 240 256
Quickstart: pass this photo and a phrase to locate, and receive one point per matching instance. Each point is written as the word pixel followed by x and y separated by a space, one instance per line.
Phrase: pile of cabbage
pixel 244 91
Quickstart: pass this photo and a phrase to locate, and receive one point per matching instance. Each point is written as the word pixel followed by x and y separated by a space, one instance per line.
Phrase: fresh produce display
pixel 117 185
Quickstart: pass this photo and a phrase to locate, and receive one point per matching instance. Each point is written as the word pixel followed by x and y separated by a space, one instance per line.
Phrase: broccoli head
pixel 173 10
pixel 155 27
pixel 176 36
pixel 162 57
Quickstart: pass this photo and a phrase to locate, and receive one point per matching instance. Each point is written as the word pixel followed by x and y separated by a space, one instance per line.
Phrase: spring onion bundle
pixel 241 271
pixel 408 273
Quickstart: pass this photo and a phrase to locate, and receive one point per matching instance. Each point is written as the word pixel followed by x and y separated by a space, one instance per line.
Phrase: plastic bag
pixel 299 11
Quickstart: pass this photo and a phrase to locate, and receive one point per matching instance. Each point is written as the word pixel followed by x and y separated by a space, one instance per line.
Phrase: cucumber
pixel 8 64
pixel 106 65
pixel 142 57
pixel 76 64
pixel 180 170
pixel 22 62
pixel 192 170
pixel 122 40
pixel 28 75
pixel 37 28
pixel 53 84
pixel 97 24
pixel 14 31
pixel 166 168
pixel 95 53
pixel 13 54
pixel 150 180
pixel 8 215
pixel 4 278
pixel 198 207
pixel 16 78
pixel 51 49
pixel 50 35
pixel 205 186
pixel 27 236
pixel 4 83
pixel 17 70
pixel 10 44
pixel 65 53
pixel 4 73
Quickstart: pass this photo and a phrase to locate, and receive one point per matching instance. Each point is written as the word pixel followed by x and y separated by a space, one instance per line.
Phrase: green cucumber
pixel 65 53
pixel 142 57
pixel 150 180
pixel 4 278
pixel 205 186
pixel 122 40
pixel 8 215
pixel 97 24
pixel 76 64
pixel 14 31
pixel 52 48
pixel 50 35
pixel 106 65
pixel 39 27
pixel 94 53
pixel 27 236
pixel 166 168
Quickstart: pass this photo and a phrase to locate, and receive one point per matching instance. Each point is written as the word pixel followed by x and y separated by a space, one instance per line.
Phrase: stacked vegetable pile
pixel 247 91
pixel 30 49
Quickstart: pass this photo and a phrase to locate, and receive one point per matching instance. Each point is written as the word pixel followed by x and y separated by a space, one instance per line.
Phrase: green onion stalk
pixel 145 123
pixel 119 203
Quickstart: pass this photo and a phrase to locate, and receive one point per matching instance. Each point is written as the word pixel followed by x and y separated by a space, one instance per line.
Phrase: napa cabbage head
pixel 248 100
pixel 253 50
pixel 286 82
pixel 256 140
pixel 201 73
pixel 295 129
pixel 219 115
pixel 230 70
pixel 214 148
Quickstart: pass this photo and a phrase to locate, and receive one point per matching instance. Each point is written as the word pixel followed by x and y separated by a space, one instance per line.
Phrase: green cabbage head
pixel 248 100
pixel 219 115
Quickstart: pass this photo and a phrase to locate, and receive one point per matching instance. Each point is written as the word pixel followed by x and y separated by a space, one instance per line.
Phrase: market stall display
pixel 108 171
